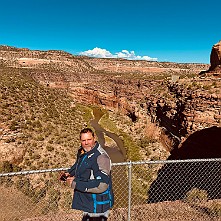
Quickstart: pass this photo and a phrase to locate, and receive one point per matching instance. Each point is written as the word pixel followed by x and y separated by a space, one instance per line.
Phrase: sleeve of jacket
pixel 71 170
pixel 101 177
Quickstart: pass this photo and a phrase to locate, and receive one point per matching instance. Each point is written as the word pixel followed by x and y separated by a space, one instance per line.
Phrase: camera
pixel 63 177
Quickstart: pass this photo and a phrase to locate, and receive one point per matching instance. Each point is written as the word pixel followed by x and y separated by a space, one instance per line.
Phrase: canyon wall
pixel 174 96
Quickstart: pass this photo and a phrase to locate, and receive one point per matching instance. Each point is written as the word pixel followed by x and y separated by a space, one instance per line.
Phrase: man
pixel 90 177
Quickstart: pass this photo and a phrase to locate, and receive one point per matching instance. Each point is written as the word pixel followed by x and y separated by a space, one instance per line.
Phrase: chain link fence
pixel 146 190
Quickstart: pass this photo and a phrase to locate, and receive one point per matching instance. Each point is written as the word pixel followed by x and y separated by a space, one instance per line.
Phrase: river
pixel 117 153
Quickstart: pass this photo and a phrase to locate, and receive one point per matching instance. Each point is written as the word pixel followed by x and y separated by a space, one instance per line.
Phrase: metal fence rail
pixel 146 190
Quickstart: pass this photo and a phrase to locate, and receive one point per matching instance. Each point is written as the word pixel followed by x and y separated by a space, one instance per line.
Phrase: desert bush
pixel 39 194
pixel 49 148
pixel 215 209
pixel 196 195
pixel 24 185
pixel 14 125
pixel 40 138
pixel 63 154
pixel 6 167
pixel 10 139
pixel 207 87
pixel 36 156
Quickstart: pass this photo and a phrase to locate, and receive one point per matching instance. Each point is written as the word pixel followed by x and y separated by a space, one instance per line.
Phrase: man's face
pixel 87 141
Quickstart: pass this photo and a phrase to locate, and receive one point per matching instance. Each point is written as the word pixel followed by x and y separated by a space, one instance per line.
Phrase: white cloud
pixel 97 52
pixel 103 53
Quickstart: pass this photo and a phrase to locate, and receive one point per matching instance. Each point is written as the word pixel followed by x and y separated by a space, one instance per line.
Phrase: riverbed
pixel 116 152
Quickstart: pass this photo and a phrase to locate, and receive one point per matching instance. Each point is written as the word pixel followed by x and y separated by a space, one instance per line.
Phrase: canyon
pixel 174 100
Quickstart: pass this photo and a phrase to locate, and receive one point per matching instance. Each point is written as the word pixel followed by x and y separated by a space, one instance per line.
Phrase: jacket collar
pixel 82 151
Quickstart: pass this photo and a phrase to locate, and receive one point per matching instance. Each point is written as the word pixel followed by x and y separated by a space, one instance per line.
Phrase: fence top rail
pixel 32 172
pixel 113 164
pixel 171 161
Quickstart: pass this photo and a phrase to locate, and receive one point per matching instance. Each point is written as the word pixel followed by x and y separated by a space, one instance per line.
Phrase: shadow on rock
pixel 174 180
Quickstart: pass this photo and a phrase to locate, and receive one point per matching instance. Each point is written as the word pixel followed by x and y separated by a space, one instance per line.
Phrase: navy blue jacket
pixel 92 174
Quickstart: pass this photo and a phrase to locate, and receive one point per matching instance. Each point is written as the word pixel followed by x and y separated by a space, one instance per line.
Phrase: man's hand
pixel 70 181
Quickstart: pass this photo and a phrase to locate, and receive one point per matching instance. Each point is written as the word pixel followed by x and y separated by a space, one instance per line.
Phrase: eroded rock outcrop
pixel 215 58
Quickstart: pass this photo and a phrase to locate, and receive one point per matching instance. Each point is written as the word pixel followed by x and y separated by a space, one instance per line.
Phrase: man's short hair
pixel 87 130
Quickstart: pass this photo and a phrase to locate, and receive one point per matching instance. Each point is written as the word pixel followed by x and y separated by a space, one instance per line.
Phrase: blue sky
pixel 176 31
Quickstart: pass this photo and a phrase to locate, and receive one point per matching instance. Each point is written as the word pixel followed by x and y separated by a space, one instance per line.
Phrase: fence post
pixel 129 189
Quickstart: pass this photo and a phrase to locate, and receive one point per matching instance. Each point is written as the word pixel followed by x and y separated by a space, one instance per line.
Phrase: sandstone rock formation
pixel 215 58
